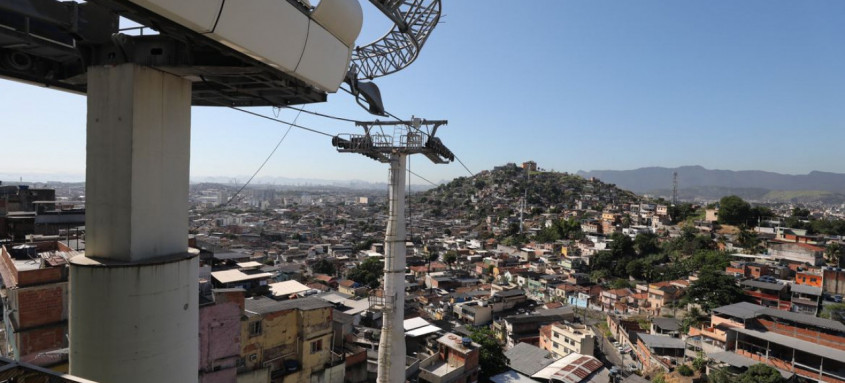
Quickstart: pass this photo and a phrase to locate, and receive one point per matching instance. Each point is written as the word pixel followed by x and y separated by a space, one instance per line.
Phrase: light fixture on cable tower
pixel 408 137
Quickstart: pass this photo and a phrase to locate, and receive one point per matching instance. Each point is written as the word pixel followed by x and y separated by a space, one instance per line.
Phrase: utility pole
pixel 675 189
pixel 407 138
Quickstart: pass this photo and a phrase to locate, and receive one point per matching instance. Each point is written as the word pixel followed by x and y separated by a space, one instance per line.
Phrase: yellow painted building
pixel 288 342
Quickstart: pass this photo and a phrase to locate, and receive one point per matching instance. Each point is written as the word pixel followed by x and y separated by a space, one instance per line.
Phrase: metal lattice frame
pixel 413 22
pixel 405 138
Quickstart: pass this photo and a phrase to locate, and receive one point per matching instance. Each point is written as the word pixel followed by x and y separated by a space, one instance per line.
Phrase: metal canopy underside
pixel 52 43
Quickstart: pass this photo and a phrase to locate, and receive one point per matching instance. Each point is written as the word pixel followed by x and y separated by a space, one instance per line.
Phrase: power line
pixel 291 125
pixel 324 115
pixel 422 178
pixel 465 167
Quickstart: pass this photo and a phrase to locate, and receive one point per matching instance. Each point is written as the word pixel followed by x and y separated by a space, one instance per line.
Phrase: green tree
pixel 834 311
pixel 760 373
pixel 734 210
pixel 433 256
pixel 833 254
pixel 621 246
pixel 748 240
pixel 367 272
pixel 323 266
pixel 492 359
pixel 646 244
pixel 620 284
pixel 714 289
pixel 450 257
pixel 685 370
pixel 694 318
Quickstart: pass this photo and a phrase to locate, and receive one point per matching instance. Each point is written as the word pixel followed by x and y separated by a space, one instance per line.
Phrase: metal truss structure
pixel 413 22
pixel 406 137
pixel 52 43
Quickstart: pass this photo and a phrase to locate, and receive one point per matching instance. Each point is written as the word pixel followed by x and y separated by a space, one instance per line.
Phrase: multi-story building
pixel 768 294
pixel 797 252
pixel 475 313
pixel 455 361
pixel 659 351
pixel 806 299
pixel 611 298
pixel 288 341
pixel 663 293
pixel 526 328
pixel 809 347
pixel 220 335
pixel 566 338
pixel 809 278
pixel 35 303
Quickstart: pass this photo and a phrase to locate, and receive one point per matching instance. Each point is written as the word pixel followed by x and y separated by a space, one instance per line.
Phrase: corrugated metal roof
pixel 527 358
pixel 234 275
pixel 805 289
pixel 737 360
pixel 804 319
pixel 669 324
pixel 572 368
pixel 763 285
pixel 410 324
pixel 661 341
pixel 282 289
pixel 268 305
pixel 743 310
pixel 425 330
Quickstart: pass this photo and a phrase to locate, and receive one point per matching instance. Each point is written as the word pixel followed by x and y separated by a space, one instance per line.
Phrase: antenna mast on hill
pixel 407 139
pixel 674 188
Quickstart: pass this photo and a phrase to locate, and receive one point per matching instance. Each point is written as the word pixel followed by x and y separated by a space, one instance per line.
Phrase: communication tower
pixel 674 188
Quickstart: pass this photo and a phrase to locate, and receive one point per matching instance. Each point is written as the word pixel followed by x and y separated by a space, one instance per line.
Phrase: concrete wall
pixel 137 323
pixel 137 163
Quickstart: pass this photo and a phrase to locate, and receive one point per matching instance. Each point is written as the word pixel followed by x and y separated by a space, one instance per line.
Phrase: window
pixel 316 346
pixel 255 328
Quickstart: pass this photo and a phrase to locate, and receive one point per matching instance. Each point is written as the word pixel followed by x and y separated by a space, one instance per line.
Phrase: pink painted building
pixel 220 336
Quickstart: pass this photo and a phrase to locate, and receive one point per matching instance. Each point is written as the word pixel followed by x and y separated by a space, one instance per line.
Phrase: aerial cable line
pixel 290 126
pixel 465 167
pixel 293 124
pixel 421 177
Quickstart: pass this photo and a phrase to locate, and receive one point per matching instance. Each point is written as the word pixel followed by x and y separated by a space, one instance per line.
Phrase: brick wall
pixel 42 339
pixel 40 306
pixel 817 337
pixel 40 276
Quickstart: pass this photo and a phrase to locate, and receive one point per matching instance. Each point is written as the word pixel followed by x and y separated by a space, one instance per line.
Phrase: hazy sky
pixel 570 84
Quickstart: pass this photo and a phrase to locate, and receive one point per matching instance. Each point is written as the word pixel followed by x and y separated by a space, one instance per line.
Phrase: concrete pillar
pixel 391 352
pixel 134 295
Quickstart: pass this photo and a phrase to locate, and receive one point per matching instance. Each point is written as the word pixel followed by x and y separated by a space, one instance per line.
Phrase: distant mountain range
pixel 696 182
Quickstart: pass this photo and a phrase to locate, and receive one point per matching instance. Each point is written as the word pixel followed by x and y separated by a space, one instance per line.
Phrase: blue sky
pixel 573 85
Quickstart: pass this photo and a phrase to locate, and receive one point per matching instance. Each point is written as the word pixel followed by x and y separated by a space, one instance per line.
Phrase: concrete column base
pixel 135 322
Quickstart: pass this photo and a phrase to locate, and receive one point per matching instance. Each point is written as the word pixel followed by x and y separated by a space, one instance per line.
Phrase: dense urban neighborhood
pixel 516 274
